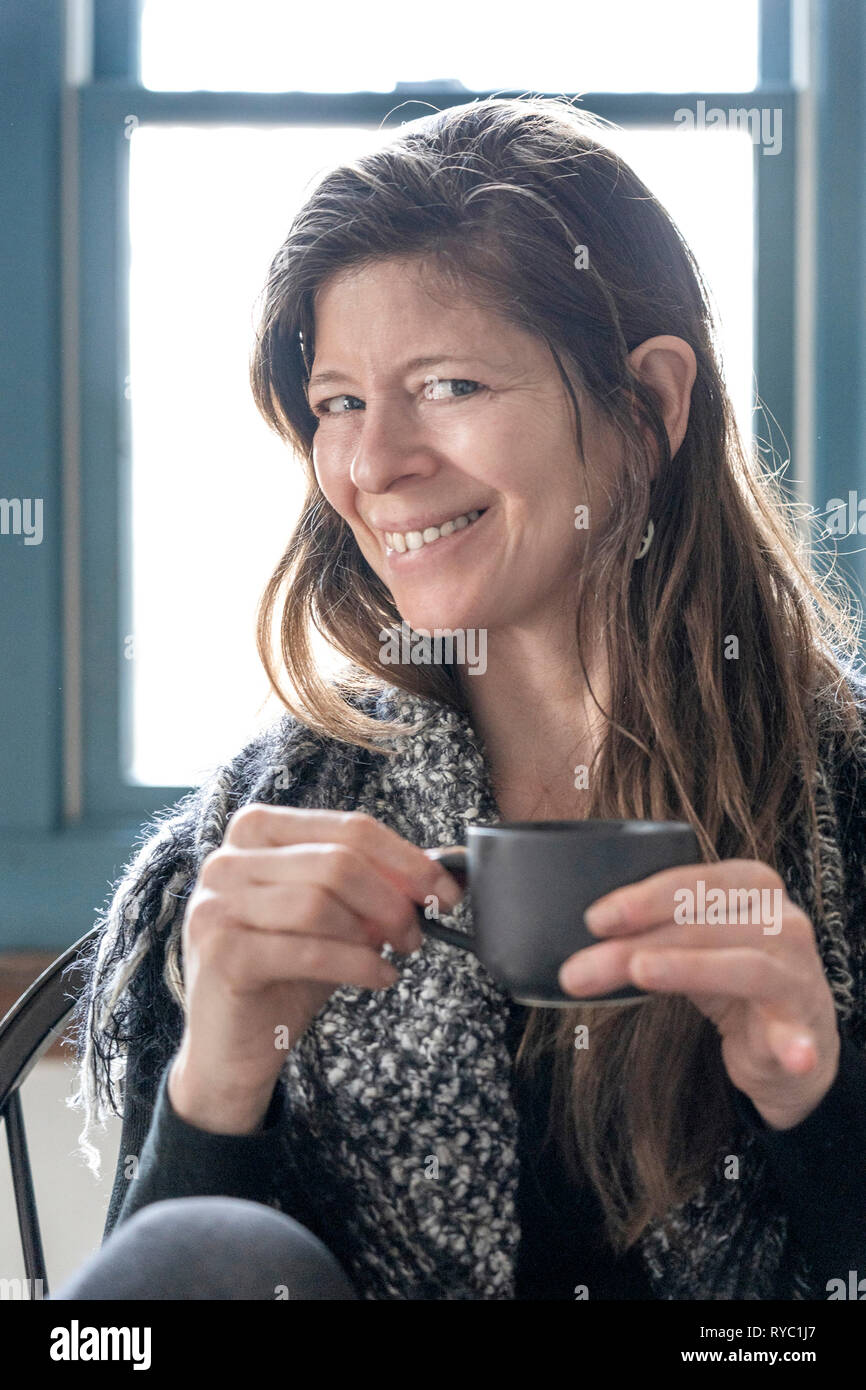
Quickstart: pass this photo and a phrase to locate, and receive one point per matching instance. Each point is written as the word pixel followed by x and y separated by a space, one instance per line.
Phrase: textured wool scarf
pixel 403 1128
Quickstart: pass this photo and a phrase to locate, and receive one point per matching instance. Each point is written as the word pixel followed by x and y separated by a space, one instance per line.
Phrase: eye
pixel 432 386
pixel 433 383
pixel 323 407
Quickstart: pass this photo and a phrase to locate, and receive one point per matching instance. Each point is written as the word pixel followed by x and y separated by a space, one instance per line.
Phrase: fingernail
pixel 414 939
pixel 603 916
pixel 448 890
pixel 578 974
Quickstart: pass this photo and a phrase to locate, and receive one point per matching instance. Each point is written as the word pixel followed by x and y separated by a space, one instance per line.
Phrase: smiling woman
pixel 673 659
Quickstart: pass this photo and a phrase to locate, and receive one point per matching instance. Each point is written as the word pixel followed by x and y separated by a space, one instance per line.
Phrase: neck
pixel 540 726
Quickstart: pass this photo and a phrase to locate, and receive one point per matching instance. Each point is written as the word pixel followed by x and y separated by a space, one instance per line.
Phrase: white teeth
pixel 414 540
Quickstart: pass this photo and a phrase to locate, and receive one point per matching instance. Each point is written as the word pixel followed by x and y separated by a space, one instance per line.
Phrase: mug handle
pixel 454 860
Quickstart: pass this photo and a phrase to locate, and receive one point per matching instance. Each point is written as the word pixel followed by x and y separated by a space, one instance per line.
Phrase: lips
pixel 425 553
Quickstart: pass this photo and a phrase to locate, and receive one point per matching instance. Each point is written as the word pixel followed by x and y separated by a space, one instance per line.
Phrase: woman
pixel 656 647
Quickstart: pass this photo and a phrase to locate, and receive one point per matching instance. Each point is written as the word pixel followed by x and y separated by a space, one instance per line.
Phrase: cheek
pixel 332 479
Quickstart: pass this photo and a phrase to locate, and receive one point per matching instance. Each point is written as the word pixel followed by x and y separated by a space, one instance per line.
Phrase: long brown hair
pixel 496 195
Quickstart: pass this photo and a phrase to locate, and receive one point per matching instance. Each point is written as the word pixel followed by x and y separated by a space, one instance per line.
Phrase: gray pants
pixel 209 1247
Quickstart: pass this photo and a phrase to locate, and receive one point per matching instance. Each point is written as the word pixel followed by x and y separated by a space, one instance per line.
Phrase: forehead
pixel 392 298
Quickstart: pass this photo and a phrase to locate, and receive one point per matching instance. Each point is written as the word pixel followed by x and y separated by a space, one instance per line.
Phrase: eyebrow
pixel 412 364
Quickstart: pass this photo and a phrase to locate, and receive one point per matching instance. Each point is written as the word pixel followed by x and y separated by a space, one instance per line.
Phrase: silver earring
pixel 646 542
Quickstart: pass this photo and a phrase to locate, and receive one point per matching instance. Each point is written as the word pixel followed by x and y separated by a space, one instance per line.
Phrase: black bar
pixel 25 1197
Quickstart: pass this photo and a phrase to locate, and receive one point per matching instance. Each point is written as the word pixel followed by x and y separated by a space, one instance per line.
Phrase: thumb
pixel 792 1045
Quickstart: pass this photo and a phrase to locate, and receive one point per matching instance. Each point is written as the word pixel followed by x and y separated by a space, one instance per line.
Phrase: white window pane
pixel 214 495
pixel 705 180
pixel 618 46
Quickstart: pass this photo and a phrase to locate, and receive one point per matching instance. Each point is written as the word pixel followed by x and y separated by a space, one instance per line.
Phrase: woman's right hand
pixel 292 905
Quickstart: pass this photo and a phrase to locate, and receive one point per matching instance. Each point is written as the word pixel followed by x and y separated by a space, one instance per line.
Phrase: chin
pixel 430 621
pixel 414 642
pixel 428 611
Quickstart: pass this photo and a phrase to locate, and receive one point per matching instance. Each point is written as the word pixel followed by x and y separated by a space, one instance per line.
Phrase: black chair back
pixel 26 1033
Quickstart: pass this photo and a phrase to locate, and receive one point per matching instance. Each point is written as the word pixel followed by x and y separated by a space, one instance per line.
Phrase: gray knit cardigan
pixel 383 1081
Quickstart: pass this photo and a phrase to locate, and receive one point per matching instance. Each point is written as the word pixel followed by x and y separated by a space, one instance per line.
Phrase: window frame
pixel 67 823
pixel 106 107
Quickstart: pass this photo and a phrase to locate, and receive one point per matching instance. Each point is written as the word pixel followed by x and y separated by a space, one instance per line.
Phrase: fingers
pixel 259 826
pixel 301 887
pixel 749 888
pixel 744 972
pixel 259 959
pixel 308 910
pixel 737 972
pixel 795 939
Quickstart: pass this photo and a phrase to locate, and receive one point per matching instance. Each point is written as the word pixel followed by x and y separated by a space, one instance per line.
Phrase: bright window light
pixel 214 495
pixel 618 46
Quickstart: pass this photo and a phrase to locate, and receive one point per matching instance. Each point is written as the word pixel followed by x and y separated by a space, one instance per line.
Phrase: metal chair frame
pixel 26 1033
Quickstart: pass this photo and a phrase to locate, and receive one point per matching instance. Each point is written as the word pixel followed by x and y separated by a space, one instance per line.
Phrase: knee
pixel 223 1247
pixel 226 1221
pixel 175 1217
pixel 255 1245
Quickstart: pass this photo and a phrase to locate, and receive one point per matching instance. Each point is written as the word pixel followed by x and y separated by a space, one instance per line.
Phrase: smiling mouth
pixel 398 543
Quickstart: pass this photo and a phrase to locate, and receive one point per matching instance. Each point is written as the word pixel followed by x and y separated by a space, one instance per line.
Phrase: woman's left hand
pixel 761 982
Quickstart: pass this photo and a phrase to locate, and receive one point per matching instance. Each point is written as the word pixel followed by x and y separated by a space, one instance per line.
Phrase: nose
pixel 393 445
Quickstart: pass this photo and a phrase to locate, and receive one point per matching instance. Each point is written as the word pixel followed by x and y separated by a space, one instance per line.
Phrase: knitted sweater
pixel 393 1130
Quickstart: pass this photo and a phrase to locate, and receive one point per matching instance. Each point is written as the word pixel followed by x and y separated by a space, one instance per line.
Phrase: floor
pixel 70 1201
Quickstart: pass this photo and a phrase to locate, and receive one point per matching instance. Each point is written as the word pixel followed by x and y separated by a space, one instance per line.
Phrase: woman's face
pixel 481 424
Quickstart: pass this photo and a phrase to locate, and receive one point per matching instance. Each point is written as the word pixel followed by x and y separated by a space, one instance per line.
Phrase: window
pixel 83 766
pixel 213 494
pixel 621 46
pixel 181 210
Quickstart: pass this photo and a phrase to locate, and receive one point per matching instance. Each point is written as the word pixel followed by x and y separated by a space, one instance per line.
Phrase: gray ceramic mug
pixel 530 882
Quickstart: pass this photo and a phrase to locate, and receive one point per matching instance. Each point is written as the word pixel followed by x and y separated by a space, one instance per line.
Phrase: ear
pixel 669 367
